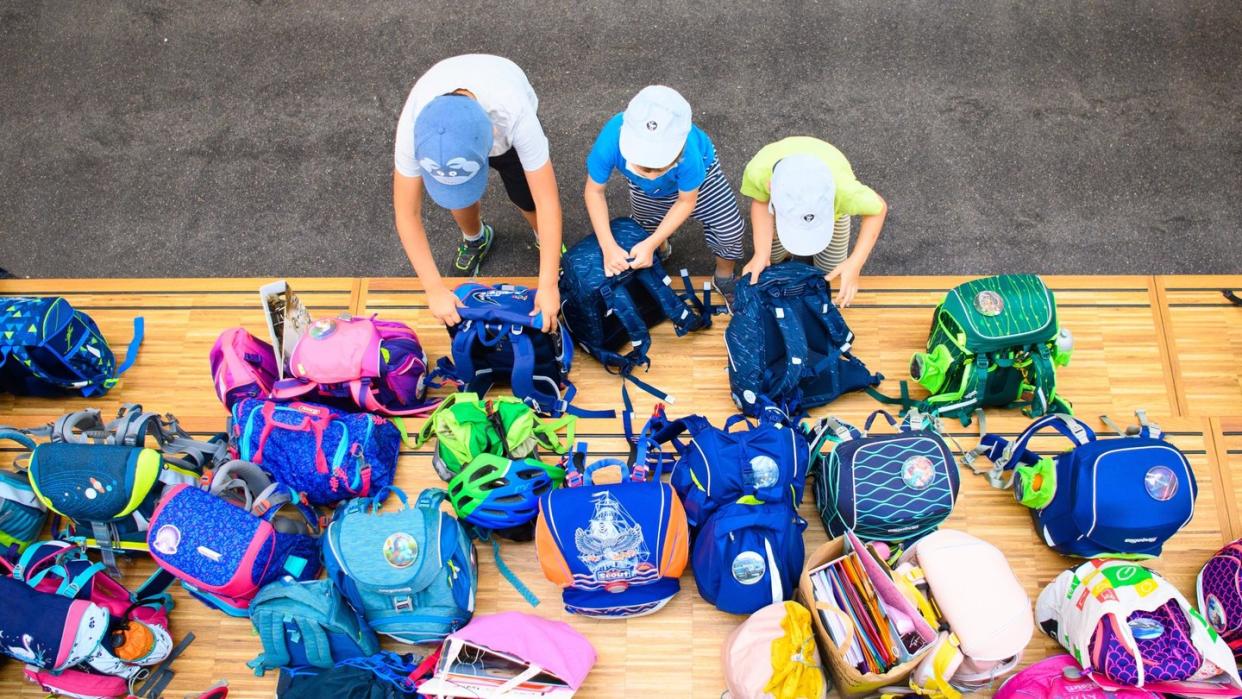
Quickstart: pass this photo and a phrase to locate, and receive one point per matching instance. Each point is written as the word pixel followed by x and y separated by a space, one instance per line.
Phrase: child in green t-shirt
pixel 803 193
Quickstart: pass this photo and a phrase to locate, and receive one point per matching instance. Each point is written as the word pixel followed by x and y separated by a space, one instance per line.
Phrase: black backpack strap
pixel 1232 296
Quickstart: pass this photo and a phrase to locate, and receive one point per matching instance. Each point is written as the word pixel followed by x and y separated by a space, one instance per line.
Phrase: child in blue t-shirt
pixel 673 174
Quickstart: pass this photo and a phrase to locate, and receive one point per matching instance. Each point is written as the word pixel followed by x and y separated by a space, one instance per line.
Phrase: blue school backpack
pixel 1123 496
pixel 604 313
pixel 499 342
pixel 48 349
pixel 749 555
pixel 306 624
pixel 410 574
pixel 884 487
pixel 788 343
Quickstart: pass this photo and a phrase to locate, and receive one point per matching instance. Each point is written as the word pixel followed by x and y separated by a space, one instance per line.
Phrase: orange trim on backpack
pixel 676 538
pixel 551 559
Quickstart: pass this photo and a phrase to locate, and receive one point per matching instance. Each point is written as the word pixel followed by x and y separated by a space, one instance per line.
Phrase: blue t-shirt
pixel 686 176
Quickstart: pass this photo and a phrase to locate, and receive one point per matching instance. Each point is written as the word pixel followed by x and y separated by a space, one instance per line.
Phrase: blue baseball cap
pixel 452 139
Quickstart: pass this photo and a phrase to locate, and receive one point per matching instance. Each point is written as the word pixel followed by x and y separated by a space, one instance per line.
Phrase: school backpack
pixel 49 349
pixel 306 624
pixel 1129 627
pixel 465 426
pixel 747 556
pixel 1060 677
pixel 1123 496
pixel 618 549
pixel 356 363
pixel 106 479
pixel 603 314
pixel 228 541
pixel 411 574
pixel 242 366
pixel 498 341
pixel 788 343
pixel 22 513
pixel 1218 589
pixel 323 453
pixel 885 487
pixel 966 588
pixel 996 342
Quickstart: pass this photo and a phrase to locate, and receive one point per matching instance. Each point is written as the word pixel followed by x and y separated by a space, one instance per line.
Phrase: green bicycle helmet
pixel 494 493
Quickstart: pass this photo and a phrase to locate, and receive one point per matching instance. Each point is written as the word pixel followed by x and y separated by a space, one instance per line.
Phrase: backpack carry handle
pixel 605 463
pixel 1006 455
pixel 489 316
pixel 740 418
pixel 382 495
pixel 892 422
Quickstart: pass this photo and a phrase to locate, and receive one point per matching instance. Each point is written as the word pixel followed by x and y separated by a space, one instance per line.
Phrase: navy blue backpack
pixel 499 342
pixel 1122 496
pixel 788 343
pixel 47 349
pixel 604 314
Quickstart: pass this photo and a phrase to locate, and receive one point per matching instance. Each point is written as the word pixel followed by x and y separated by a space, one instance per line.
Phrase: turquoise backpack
pixel 306 624
pixel 411 574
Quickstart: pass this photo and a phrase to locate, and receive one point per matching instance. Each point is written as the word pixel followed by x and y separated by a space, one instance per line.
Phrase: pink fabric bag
pixel 1059 677
pixel 242 366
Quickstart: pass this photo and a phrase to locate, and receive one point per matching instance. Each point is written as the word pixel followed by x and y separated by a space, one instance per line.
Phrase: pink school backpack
pixel 1059 677
pixel 1219 592
pixel 377 366
pixel 242 366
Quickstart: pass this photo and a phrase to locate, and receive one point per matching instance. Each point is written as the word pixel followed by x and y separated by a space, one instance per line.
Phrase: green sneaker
pixel 470 253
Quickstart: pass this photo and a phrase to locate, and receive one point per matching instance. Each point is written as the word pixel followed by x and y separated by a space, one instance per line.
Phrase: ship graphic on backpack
pixel 411 574
pixel 604 314
pixel 884 487
pixel 307 624
pixel 1124 496
pixel 788 344
pixel 49 349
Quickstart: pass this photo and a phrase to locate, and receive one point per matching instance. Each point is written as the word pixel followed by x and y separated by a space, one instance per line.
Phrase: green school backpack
pixel 994 342
pixel 465 426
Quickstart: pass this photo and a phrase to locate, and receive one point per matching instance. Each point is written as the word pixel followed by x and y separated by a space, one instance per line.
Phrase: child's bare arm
pixel 407 205
pixel 677 214
pixel 763 223
pixel 595 195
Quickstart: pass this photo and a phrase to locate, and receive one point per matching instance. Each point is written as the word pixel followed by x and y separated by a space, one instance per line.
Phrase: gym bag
pixel 227 542
pixel 306 624
pixel 976 601
pixel 464 426
pixel 242 366
pixel 326 454
pixel 994 342
pixel 617 550
pixel 103 478
pixel 355 363
pixel 498 341
pixel 788 343
pixel 1060 677
pixel 1123 496
pixel 1219 591
pixel 1129 627
pixel 885 487
pixel 22 513
pixel 410 573
pixel 49 349
pixel 605 313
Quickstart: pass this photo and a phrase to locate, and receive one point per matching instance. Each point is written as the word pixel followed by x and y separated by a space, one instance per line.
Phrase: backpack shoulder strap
pixel 794 337
pixel 271 629
pixel 1006 455
pixel 618 300
pixel 685 310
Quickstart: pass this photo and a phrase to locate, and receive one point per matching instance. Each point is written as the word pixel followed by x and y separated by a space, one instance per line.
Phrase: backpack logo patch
pixel 167 539
pixel 1161 483
pixel 748 568
pixel 400 550
pixel 763 472
pixel 989 303
pixel 322 328
pixel 918 472
pixel 1216 614
pixel 612 547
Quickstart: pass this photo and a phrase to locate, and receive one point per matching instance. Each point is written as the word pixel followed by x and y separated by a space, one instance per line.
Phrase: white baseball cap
pixel 655 126
pixel 804 201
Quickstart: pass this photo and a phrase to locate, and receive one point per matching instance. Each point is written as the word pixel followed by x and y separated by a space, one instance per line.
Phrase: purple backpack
pixel 1219 588
pixel 366 364
pixel 242 366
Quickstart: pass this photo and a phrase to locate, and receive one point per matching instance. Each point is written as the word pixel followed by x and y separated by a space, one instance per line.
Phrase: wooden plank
pixel 1228 431
pixel 1204 333
pixel 182 318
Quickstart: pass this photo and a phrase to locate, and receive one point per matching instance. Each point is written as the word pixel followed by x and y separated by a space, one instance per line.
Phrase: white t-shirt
pixel 503 91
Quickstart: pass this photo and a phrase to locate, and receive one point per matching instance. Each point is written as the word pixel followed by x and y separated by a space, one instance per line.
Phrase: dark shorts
pixel 514 177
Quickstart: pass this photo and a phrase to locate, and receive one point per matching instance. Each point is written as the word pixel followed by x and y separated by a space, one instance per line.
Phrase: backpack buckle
pixel 573 479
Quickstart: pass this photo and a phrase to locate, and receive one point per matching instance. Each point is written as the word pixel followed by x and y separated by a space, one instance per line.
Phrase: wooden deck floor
pixel 1165 344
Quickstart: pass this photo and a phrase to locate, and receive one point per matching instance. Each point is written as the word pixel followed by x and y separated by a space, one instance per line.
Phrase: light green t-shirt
pixel 853 197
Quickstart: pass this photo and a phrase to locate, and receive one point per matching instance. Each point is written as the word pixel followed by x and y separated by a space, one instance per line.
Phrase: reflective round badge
pixel 400 550
pixel 764 472
pixel 918 472
pixel 1216 614
pixel 322 328
pixel 1161 483
pixel 167 540
pixel 748 568
pixel 989 303
pixel 1146 629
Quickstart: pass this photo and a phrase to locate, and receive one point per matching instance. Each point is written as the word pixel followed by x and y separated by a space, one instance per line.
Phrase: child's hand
pixel 641 254
pixel 754 267
pixel 616 260
pixel 848 273
pixel 548 302
pixel 444 304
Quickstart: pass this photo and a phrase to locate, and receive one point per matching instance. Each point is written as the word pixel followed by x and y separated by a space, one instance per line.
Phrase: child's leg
pixel 832 256
pixel 723 226
pixel 779 253
pixel 513 176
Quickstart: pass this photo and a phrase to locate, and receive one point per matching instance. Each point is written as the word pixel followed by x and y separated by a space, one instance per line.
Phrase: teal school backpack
pixel 411 574
pixel 307 624
pixel 48 349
